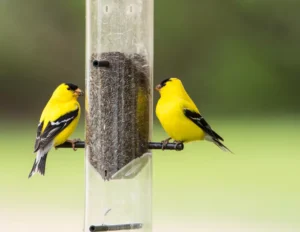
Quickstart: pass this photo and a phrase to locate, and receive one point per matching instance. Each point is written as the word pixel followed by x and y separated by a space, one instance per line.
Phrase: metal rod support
pixel 101 63
pixel 116 227
pixel 151 145
pixel 169 146
pixel 79 144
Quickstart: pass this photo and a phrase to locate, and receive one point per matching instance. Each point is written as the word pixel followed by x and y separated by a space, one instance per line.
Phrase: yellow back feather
pixel 62 101
pixel 174 89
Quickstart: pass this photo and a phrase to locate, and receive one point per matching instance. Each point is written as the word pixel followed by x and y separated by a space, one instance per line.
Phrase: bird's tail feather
pixel 39 164
pixel 221 145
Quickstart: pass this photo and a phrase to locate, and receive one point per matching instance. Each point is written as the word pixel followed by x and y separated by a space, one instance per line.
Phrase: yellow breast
pixel 175 123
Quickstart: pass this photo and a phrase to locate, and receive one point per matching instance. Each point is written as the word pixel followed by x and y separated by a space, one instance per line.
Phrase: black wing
pixel 200 121
pixel 53 129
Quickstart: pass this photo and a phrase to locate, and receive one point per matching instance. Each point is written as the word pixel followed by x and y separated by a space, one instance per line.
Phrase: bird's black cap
pixel 163 83
pixel 72 86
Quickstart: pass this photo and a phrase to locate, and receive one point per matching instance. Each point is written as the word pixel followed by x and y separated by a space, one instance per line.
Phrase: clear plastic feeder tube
pixel 119 63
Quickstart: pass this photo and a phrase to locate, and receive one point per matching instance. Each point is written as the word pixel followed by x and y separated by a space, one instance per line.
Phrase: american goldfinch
pixel 180 117
pixel 58 121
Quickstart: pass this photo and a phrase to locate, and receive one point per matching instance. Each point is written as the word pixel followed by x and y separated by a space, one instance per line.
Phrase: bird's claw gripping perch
pixel 73 142
pixel 164 143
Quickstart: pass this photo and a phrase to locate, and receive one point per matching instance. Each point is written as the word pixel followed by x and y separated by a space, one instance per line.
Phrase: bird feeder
pixel 118 106
pixel 119 63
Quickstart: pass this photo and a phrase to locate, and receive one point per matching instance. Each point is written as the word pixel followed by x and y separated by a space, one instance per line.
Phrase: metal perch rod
pixel 116 227
pixel 151 145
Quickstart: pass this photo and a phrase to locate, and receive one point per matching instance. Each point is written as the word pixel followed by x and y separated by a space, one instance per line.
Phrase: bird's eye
pixel 68 88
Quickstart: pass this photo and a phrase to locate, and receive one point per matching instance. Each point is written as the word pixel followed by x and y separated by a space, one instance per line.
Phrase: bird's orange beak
pixel 158 87
pixel 78 92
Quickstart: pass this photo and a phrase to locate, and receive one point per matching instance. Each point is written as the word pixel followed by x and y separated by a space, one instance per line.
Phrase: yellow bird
pixel 58 121
pixel 180 117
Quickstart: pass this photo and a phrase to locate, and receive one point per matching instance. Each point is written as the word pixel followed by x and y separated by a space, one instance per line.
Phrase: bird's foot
pixel 164 143
pixel 73 142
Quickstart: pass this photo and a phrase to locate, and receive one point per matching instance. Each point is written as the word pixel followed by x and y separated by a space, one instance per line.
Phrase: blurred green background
pixel 238 59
